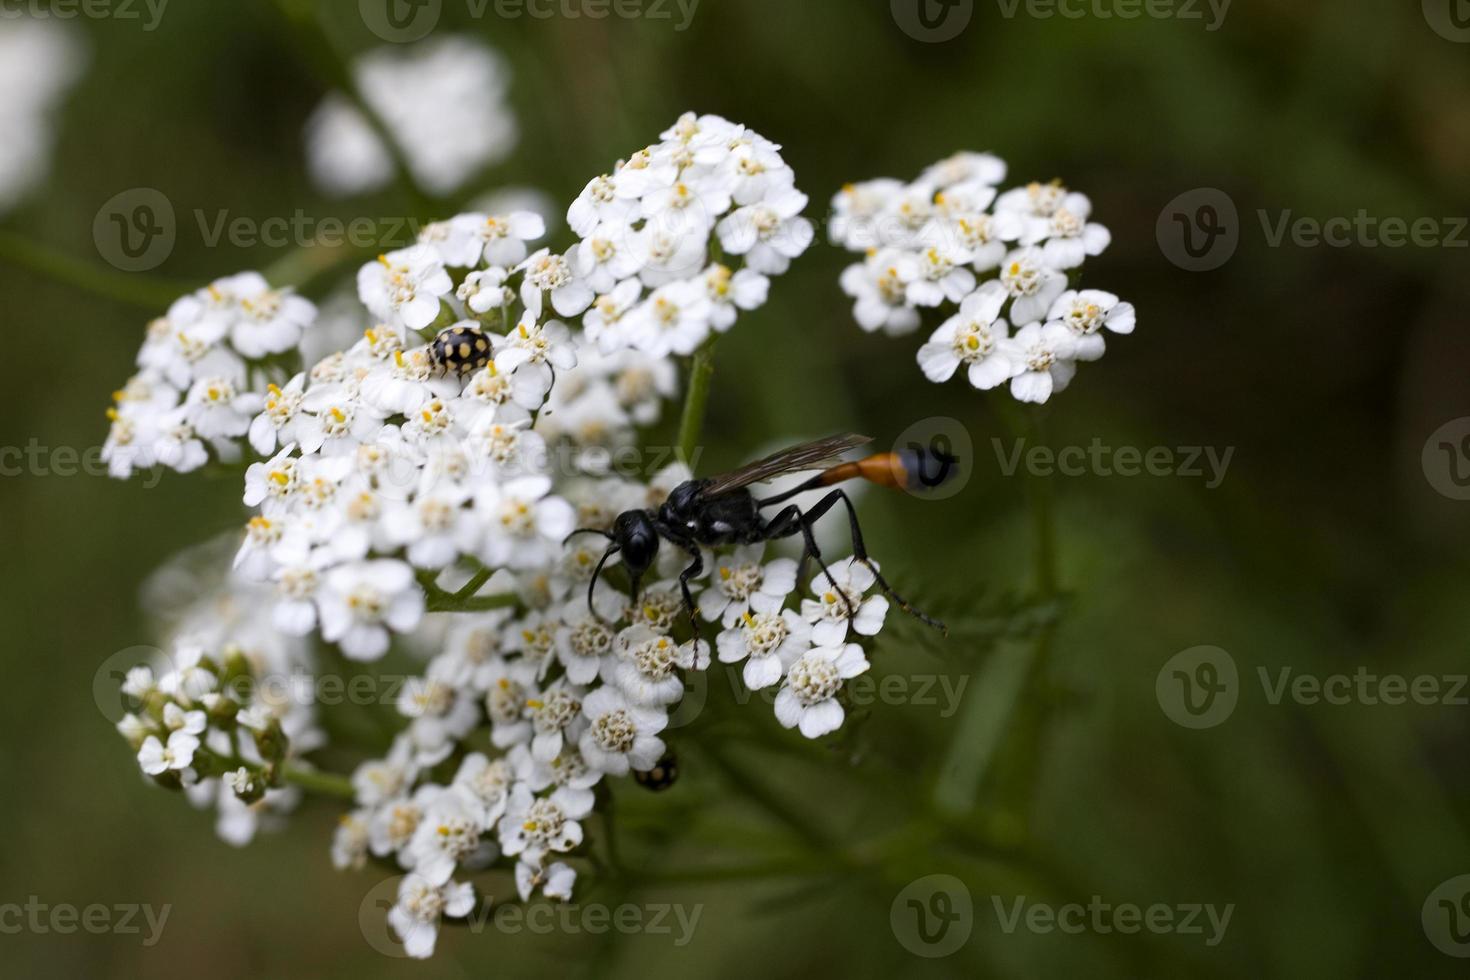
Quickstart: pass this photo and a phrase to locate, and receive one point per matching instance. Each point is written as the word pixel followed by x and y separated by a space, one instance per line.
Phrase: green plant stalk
pixel 324 52
pixel 323 783
pixel 997 735
pixel 130 288
pixel 1019 764
pixel 696 402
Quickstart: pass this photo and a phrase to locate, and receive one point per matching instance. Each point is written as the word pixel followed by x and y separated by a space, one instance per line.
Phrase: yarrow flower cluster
pixel 643 264
pixel 996 263
pixel 443 102
pixel 195 393
pixel 417 491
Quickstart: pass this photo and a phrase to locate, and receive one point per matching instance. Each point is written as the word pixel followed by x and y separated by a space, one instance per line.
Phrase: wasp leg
pixel 793 520
pixel 695 569
pixel 860 552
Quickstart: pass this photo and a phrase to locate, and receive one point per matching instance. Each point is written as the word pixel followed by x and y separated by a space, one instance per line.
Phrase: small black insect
pixel 663 775
pixel 460 350
pixel 721 510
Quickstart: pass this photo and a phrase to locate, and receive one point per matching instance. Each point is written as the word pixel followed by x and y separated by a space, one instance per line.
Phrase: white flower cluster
pixel 644 261
pixel 444 102
pixel 198 368
pixel 39 62
pixel 223 712
pixel 569 697
pixel 999 261
pixel 422 484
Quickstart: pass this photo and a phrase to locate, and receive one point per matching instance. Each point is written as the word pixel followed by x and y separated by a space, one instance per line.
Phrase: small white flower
pixel 741 584
pixel 647 666
pixel 936 275
pixel 534 826
pixel 973 337
pixel 216 409
pixel 881 295
pixel 350 841
pixel 404 288
pixel 621 735
pixel 497 240
pixel 362 601
pixel 421 905
pixel 767 642
pixel 524 527
pixel 769 234
pixel 1066 236
pixel 448 834
pixel 729 294
pixel 1086 314
pixel 1033 285
pixel 675 319
pixel 836 595
pixel 547 272
pixel 156 758
pixel 808 699
pixel 555 882
pixel 556 720
pixel 1043 356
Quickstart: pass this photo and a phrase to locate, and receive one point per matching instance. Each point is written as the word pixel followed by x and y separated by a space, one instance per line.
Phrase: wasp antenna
pixel 596 574
pixel 587 530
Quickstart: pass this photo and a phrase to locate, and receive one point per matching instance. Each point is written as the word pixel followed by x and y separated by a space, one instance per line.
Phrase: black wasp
pixel 721 510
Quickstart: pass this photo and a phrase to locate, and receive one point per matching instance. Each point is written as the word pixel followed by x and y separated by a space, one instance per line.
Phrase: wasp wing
pixel 807 456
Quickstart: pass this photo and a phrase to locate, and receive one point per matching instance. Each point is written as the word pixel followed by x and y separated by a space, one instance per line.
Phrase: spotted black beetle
pixel 460 350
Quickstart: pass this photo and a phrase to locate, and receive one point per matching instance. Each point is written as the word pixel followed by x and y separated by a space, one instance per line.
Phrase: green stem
pixel 325 783
pixel 134 290
pixel 1020 764
pixel 696 402
pixel 323 51
pixel 998 732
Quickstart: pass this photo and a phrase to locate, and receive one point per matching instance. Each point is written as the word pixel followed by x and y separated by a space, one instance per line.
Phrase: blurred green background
pixel 1326 548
